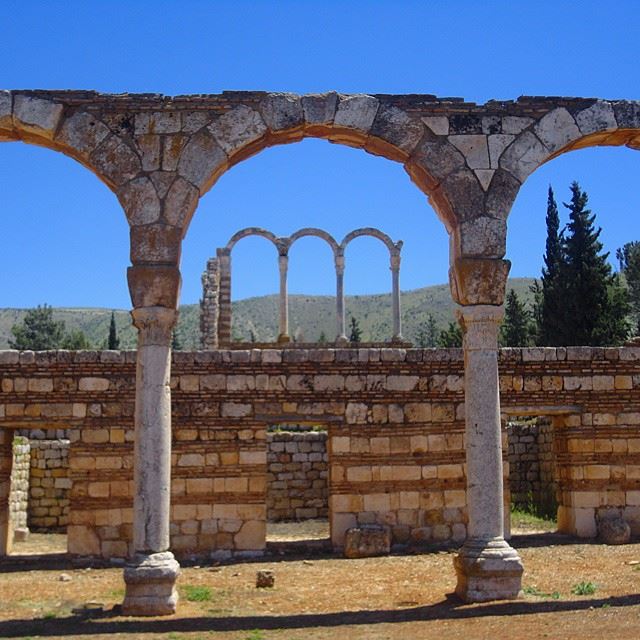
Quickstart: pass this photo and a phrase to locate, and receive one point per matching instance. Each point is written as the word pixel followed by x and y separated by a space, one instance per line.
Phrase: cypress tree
pixel 595 303
pixel 516 328
pixel 629 258
pixel 356 332
pixel 113 341
pixel 550 309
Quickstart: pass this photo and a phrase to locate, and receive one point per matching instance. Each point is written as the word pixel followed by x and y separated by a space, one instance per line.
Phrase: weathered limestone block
pixel 156 122
pixel 156 286
pixel 6 117
pixel 438 158
pixel 627 114
pixel 116 161
pixel 319 109
pixel 180 203
pixel 356 112
pixel 556 129
pixel 398 128
pixel 367 541
pixel 464 193
pixel 497 144
pixel 478 281
pixel 596 118
pixel 484 177
pixel 523 156
pixel 438 124
pixel 82 133
pixel 613 529
pixel 37 115
pixel 237 128
pixel 149 148
pixel 282 111
pixel 202 160
pixel 474 148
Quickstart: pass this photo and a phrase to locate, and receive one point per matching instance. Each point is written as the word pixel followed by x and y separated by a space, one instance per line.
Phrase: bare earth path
pixel 328 597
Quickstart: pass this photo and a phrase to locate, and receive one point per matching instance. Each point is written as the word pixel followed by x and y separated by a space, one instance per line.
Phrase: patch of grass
pixel 256 634
pixel 116 593
pixel 527 519
pixel 584 588
pixel 197 593
pixel 49 615
pixel 534 591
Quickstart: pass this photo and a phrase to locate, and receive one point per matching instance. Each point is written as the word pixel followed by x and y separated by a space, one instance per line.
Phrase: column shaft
pixel 341 336
pixel 395 295
pixel 487 567
pixel 224 307
pixel 283 264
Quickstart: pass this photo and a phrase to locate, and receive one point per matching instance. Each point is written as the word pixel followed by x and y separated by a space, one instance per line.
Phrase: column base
pixel 284 338
pixel 151 585
pixel 488 570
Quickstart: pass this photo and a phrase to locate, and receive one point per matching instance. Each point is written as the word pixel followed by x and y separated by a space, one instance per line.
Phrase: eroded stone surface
pixel 356 112
pixel 37 115
pixel 237 128
pixel 367 541
pixel 151 585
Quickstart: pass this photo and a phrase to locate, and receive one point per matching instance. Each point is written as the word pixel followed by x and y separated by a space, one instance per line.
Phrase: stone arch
pixel 374 233
pixel 317 233
pixel 250 231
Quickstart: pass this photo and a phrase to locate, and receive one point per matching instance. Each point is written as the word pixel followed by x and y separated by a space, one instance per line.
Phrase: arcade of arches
pixel 161 154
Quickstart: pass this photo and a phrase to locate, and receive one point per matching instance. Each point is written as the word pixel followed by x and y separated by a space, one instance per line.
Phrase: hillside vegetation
pixel 309 317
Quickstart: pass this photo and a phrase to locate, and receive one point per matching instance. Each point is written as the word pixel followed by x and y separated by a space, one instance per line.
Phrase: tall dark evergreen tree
pixel 550 311
pixel 38 330
pixel 516 327
pixel 451 336
pixel 356 332
pixel 427 333
pixel 581 301
pixel 113 342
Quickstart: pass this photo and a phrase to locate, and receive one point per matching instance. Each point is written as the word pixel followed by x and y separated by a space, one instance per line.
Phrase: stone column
pixel 283 264
pixel 341 336
pixel 487 567
pixel 224 304
pixel 6 462
pixel 209 305
pixel 395 294
pixel 150 577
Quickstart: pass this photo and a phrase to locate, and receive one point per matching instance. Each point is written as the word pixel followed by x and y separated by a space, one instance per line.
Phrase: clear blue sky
pixel 65 240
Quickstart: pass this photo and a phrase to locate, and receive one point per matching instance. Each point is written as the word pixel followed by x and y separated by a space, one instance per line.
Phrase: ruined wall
pixel 19 495
pixel 50 485
pixel 395 421
pixel 532 465
pixel 297 472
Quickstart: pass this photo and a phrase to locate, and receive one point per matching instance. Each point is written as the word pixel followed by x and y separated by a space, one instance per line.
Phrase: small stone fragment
pixel 64 577
pixel 265 579
pixel 367 541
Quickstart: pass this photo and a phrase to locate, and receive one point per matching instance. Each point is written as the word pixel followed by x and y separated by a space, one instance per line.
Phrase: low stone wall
pixel 395 423
pixel 532 466
pixel 18 498
pixel 297 470
pixel 50 486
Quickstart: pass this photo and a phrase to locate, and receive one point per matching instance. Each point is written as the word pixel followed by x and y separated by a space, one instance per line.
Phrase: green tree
pixel 38 331
pixel 323 338
pixel 629 258
pixel 113 341
pixel 451 336
pixel 516 327
pixel 580 300
pixel 356 332
pixel 596 305
pixel 176 342
pixel 427 333
pixel 75 340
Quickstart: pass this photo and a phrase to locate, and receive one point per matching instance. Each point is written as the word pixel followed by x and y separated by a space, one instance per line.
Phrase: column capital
pixel 154 325
pixel 395 261
pixel 339 262
pixel 480 324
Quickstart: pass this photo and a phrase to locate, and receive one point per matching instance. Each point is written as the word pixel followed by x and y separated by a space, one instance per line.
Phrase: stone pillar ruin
pixel 487 567
pixel 395 295
pixel 283 265
pixel 224 300
pixel 150 577
pixel 209 305
pixel 341 336
pixel 6 461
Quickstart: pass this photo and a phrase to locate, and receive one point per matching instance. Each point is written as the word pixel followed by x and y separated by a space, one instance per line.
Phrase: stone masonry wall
pixel 19 495
pixel 297 471
pixel 395 422
pixel 532 465
pixel 50 486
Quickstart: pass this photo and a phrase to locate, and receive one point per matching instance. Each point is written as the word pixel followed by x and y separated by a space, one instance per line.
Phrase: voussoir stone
pixel 438 157
pixel 501 194
pixel 356 112
pixel 598 117
pixel 474 148
pixel 237 128
pixel 627 114
pixel 140 201
pixel 200 159
pixel 116 160
pixel 523 156
pixel 180 202
pixel 319 108
pixel 282 111
pixel 497 144
pixel 464 193
pixel 438 124
pixel 556 129
pixel 397 127
pixel 82 132
pixel 37 115
pixel 515 124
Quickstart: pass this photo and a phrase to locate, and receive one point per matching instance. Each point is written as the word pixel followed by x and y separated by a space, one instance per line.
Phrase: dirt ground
pixel 324 596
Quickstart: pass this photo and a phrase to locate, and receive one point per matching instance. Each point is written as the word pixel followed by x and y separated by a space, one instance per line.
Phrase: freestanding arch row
pixel 161 154
pixel 215 307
